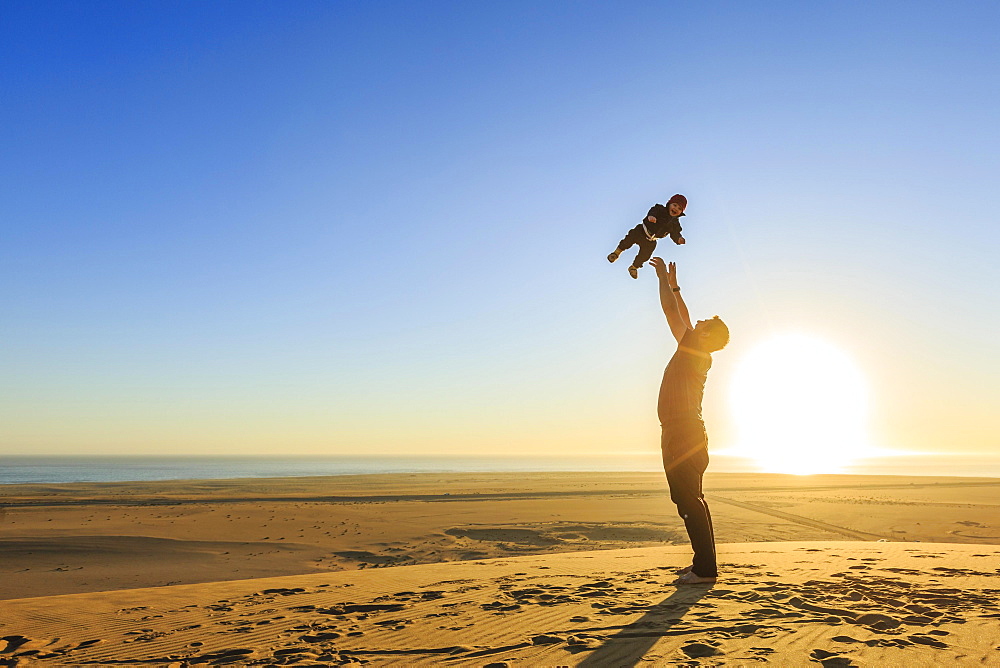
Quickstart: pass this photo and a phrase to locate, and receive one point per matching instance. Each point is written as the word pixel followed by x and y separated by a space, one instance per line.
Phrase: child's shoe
pixel 633 271
pixel 614 256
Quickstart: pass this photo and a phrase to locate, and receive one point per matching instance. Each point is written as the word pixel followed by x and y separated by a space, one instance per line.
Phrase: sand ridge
pixel 794 603
pixel 57 539
pixel 498 569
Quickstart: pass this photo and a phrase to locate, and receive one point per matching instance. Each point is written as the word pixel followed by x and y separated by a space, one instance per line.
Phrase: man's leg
pixel 685 461
pixel 685 492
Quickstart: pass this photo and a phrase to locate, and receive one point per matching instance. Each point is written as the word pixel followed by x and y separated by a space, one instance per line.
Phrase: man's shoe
pixel 613 256
pixel 633 271
pixel 690 578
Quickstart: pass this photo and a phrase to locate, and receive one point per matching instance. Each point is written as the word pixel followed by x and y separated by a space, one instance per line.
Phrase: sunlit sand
pixel 523 569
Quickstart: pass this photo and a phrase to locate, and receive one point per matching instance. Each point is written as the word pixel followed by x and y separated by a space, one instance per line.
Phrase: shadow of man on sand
pixel 627 647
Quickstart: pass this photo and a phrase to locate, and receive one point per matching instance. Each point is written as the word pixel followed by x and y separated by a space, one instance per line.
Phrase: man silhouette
pixel 683 439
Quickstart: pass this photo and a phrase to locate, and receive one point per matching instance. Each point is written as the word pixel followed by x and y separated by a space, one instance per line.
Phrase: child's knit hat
pixel 680 199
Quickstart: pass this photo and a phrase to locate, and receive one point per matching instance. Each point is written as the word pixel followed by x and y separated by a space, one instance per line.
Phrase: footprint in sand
pixel 926 640
pixel 877 621
pixel 821 654
pixel 13 642
pixel 225 656
pixel 830 659
pixel 319 637
pixel 697 650
pixel 283 592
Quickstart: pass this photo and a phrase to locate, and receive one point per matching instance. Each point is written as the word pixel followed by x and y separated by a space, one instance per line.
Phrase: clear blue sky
pixel 380 227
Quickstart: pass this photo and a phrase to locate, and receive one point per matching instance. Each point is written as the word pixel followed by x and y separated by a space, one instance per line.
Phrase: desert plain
pixel 494 569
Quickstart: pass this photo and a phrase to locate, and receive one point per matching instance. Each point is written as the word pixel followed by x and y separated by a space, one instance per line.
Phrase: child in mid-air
pixel 662 220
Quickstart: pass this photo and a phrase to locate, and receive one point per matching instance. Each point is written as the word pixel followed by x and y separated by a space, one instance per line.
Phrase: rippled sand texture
pixel 835 603
pixel 516 569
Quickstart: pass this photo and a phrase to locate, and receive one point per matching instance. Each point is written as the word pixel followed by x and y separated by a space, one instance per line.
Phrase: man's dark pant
pixel 646 246
pixel 685 458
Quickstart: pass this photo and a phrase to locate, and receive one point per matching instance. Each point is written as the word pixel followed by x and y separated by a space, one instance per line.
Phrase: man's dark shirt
pixel 683 383
pixel 665 223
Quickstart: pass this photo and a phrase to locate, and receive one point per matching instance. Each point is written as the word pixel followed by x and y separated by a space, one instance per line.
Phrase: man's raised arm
pixel 681 306
pixel 670 300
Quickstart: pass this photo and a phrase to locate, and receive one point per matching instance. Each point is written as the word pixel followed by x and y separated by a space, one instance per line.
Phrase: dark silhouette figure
pixel 662 220
pixel 683 439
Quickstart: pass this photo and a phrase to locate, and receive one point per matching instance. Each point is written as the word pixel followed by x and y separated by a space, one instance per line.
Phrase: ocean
pixel 15 470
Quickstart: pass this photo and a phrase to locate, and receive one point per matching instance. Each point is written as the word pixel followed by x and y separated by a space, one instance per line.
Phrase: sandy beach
pixel 516 569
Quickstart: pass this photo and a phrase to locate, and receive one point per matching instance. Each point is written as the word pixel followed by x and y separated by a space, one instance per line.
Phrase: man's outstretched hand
pixel 664 270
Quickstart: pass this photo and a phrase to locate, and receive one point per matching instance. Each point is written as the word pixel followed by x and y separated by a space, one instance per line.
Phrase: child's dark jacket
pixel 665 225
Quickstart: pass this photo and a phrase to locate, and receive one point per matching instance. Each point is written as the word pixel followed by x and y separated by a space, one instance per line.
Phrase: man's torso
pixel 683 385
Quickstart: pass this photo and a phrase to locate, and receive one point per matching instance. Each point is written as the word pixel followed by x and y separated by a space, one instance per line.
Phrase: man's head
pixel 676 205
pixel 712 335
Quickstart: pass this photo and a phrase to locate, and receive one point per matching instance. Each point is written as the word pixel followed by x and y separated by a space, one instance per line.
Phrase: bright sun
pixel 800 405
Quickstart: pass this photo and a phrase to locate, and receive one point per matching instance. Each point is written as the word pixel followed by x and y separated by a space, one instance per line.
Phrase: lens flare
pixel 800 405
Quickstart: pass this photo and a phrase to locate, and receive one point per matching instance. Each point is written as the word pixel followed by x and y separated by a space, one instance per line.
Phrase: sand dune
pixel 480 569
pixel 794 603
pixel 57 539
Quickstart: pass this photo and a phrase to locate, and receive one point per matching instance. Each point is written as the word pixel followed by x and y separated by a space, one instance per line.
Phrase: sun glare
pixel 800 406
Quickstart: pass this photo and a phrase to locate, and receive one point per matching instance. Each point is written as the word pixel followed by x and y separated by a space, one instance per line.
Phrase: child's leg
pixel 646 248
pixel 634 236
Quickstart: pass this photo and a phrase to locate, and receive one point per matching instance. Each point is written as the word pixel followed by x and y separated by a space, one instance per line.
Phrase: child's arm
pixel 675 234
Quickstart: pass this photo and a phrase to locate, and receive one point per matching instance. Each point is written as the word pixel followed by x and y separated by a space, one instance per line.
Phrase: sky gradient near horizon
pixel 371 228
